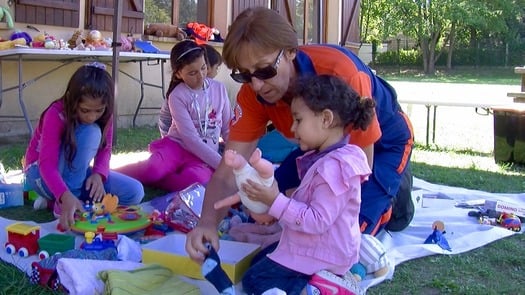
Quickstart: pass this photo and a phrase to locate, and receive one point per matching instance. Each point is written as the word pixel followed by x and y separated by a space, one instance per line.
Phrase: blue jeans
pixel 88 137
pixel 265 274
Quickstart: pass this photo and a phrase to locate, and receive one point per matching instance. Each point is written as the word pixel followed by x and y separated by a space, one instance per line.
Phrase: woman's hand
pixel 95 186
pixel 197 238
pixel 68 204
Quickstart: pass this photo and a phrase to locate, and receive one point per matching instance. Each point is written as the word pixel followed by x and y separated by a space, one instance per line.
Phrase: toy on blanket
pixel 45 274
pixel 213 272
pixel 100 210
pixel 22 238
pixel 114 218
pixel 183 211
pixel 52 244
pixel 260 171
pixel 372 258
pixel 437 236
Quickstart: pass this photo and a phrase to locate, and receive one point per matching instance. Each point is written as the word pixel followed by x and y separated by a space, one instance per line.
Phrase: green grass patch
pixel 498 268
pixel 470 75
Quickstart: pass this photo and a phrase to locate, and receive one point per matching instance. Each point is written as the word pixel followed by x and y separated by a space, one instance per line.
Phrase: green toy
pixel 5 13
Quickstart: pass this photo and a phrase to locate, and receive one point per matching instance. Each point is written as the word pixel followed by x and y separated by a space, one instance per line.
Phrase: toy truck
pixel 22 239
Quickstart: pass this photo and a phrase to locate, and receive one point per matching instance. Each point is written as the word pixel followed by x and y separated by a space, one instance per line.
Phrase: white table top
pixel 57 54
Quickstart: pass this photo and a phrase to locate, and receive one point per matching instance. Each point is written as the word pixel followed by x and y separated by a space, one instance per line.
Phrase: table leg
pixel 434 125
pixel 21 97
pixel 142 84
pixel 428 122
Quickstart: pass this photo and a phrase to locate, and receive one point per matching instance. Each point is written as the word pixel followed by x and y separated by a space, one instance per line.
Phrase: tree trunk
pixel 425 54
pixel 451 42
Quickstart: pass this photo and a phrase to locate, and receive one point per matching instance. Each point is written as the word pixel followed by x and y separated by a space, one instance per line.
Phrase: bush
pixel 410 57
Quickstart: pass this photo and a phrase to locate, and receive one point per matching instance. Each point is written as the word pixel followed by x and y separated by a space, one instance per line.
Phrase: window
pixel 177 12
pixel 309 17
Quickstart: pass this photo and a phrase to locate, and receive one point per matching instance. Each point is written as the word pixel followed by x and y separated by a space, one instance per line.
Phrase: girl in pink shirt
pixel 73 131
pixel 321 237
pixel 199 109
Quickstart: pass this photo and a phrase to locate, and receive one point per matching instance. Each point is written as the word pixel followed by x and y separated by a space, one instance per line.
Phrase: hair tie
pixel 188 51
pixel 96 64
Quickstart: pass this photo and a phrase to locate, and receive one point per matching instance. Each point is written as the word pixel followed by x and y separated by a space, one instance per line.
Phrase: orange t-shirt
pixel 251 115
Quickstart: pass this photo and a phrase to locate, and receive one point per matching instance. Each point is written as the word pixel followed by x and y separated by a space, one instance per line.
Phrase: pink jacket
pixel 321 219
pixel 44 148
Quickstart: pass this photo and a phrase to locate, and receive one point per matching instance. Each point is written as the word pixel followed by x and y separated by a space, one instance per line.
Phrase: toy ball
pixel 358 270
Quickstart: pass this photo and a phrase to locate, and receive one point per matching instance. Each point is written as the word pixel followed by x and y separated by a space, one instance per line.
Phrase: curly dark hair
pixel 323 92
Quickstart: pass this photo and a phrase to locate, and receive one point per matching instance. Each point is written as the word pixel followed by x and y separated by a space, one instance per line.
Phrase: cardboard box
pixel 170 252
pixel 11 195
pixel 506 207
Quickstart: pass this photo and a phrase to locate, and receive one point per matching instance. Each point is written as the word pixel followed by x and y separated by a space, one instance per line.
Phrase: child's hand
pixel 95 186
pixel 261 193
pixel 69 204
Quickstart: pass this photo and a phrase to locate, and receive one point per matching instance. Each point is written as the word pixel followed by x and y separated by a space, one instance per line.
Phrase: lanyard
pixel 203 123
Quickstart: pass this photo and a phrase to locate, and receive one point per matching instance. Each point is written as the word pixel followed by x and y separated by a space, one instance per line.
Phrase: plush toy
pixel 372 258
pixel 76 39
pixel 165 30
pixel 260 171
pixel 5 15
pixel 95 41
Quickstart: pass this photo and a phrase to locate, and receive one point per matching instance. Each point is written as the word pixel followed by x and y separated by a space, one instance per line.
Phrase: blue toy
pixel 437 236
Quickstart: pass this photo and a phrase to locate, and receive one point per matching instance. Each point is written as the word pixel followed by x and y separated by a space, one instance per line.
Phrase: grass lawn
pixel 498 268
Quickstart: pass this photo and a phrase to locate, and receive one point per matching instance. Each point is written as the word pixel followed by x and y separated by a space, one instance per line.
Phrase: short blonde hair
pixel 258 27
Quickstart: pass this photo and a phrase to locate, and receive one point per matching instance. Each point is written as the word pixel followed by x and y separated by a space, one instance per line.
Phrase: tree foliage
pixel 159 11
pixel 441 25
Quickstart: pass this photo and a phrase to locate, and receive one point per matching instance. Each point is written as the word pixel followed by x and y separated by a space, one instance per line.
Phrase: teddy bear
pixel 257 169
pixel 372 259
pixel 165 30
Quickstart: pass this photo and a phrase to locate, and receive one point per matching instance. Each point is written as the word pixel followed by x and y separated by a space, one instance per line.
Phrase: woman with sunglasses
pixel 261 49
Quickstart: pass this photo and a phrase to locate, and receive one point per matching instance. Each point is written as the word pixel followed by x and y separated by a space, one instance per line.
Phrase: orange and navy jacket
pixel 390 132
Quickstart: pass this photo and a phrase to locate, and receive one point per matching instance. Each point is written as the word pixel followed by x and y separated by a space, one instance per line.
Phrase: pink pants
pixel 170 167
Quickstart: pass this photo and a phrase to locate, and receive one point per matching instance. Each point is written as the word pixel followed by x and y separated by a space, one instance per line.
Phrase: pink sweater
pixel 321 219
pixel 199 118
pixel 44 149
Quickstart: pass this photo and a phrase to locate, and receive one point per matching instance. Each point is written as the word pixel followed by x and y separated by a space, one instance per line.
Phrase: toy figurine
pixel 437 236
pixel 103 209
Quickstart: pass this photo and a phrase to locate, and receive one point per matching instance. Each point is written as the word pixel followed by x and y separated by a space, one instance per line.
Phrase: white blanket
pixel 435 202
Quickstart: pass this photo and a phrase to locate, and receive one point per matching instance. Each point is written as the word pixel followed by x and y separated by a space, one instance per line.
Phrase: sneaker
pixel 40 203
pixel 327 283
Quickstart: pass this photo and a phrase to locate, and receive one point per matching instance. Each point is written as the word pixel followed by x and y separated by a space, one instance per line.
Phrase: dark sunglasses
pixel 261 74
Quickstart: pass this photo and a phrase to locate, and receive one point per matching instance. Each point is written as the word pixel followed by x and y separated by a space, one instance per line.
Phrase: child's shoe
pixel 327 283
pixel 40 203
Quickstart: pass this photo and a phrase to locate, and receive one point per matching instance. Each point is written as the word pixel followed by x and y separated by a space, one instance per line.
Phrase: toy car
pixel 22 239
pixel 509 221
